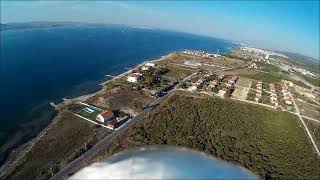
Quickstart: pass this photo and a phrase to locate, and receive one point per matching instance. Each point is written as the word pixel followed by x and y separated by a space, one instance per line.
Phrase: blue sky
pixel 284 25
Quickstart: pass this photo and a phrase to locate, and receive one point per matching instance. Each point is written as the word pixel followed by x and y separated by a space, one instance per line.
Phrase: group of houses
pixel 224 89
pixel 212 85
pixel 227 85
pixel 253 66
pixel 302 71
pixel 201 53
pixel 232 81
pixel 199 82
pixel 266 61
pixel 286 96
pixel 196 84
pixel 230 84
pixel 273 94
pixel 258 91
pixel 135 77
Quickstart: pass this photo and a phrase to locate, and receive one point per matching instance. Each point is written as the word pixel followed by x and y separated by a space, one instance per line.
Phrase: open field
pixel 240 93
pixel 245 72
pixel 268 142
pixel 314 128
pixel 300 83
pixel 180 58
pixel 58 146
pixel 313 81
pixel 178 72
pixel 118 95
pixel 308 110
pixel 244 82
pixel 265 77
pixel 230 62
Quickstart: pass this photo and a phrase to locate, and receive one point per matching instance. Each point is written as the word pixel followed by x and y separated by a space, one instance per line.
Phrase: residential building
pixel 134 77
pixel 112 123
pixel 145 68
pixel 221 77
pixel 149 64
pixel 212 84
pixel 105 116
pixel 192 88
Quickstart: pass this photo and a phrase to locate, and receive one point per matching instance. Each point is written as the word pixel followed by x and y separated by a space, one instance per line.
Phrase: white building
pixel 134 77
pixel 145 68
pixel 105 116
pixel 150 64
pixel 288 102
pixel 192 88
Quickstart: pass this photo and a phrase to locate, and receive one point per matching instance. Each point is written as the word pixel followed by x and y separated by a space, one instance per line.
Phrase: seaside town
pixel 211 74
pixel 248 75
pixel 160 90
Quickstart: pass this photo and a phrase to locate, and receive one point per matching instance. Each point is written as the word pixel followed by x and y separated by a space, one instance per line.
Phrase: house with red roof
pixel 105 116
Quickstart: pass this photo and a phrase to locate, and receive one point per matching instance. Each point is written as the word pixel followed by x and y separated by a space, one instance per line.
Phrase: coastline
pixel 18 154
pixel 15 157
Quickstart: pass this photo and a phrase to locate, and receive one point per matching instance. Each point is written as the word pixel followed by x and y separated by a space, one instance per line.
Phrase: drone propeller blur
pixel 163 162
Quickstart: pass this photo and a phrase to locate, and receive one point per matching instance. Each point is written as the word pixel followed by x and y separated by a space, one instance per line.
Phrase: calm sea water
pixel 43 65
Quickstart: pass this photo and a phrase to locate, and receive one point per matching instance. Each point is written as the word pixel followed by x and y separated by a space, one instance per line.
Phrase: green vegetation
pixel 265 99
pixel 251 95
pixel 313 81
pixel 151 78
pixel 91 116
pixel 270 143
pixel 264 77
pixel 298 83
pixel 178 72
pixel 314 128
pixel 67 139
pixel 273 78
pixel 252 91
pixel 269 67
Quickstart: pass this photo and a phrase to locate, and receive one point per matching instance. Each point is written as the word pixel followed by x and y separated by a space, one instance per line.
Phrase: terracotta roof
pixel 106 113
pixel 136 75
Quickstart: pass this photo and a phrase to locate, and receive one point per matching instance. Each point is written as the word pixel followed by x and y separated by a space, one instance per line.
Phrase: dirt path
pixel 303 123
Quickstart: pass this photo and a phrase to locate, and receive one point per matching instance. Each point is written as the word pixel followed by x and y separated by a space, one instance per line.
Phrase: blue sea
pixel 46 64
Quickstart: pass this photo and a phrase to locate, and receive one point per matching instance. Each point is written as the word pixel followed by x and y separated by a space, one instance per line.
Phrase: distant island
pixel 28 25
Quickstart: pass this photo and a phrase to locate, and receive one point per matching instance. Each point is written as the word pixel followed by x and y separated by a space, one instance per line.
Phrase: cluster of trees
pixel 269 143
pixel 152 77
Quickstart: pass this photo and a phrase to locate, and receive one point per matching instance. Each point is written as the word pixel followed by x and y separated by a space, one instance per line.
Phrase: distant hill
pixel 299 57
pixel 35 24
pixel 45 24
pixel 306 62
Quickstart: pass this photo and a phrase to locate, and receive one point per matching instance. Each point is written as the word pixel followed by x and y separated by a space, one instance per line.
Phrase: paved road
pixel 85 158
pixel 303 123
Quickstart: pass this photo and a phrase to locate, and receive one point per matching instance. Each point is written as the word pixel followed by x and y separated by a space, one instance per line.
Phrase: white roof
pixel 150 64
